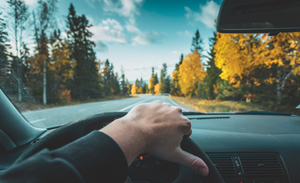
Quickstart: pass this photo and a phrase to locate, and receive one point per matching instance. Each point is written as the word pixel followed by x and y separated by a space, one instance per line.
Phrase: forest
pixel 255 68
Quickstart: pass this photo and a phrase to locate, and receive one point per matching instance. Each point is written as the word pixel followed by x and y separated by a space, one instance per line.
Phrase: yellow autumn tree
pixel 61 63
pixel 156 88
pixel 133 89
pixel 140 90
pixel 283 52
pixel 191 71
pixel 237 55
pixel 62 66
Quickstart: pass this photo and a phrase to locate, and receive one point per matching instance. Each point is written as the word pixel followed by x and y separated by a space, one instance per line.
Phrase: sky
pixel 141 34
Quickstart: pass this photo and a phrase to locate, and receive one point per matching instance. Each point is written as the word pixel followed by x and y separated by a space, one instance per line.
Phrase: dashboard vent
pixel 206 118
pixel 223 163
pixel 261 164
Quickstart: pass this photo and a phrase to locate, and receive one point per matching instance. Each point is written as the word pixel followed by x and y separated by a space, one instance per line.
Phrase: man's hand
pixel 156 128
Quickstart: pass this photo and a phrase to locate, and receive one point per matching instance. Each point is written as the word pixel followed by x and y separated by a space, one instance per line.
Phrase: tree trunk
pixel 45 82
pixel 278 88
pixel 19 76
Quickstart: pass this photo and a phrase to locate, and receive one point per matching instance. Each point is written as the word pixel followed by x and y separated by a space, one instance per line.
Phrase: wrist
pixel 127 136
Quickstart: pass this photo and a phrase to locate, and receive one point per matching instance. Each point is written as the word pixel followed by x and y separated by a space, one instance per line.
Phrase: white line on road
pixel 82 110
pixel 132 105
pixel 35 121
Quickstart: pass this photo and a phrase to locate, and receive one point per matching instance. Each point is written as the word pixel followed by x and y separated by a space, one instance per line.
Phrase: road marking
pixel 177 104
pixel 133 105
pixel 35 121
pixel 82 110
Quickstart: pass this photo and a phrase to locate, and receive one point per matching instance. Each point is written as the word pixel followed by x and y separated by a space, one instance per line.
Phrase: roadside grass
pixel 34 105
pixel 218 106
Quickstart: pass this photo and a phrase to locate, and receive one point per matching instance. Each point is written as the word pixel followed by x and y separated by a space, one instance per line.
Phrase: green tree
pixel 44 21
pixel 197 43
pixel 153 81
pixel 123 82
pixel 210 89
pixel 3 45
pixel 175 88
pixel 86 81
pixel 18 14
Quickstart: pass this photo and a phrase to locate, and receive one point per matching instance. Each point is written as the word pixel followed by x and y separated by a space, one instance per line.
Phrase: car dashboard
pixel 245 148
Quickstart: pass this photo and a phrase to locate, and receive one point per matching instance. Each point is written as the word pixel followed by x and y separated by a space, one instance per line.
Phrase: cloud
pixel 144 38
pixel 112 22
pixel 177 53
pixel 101 47
pixel 132 29
pixel 207 15
pixel 142 67
pixel 185 33
pixel 108 30
pixel 125 8
pixel 31 2
pixel 90 19
pixel 149 37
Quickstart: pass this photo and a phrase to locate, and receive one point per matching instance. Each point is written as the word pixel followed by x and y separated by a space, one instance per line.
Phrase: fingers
pixel 186 126
pixel 191 161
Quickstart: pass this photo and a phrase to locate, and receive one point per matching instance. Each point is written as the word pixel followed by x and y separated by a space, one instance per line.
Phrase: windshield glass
pixel 61 61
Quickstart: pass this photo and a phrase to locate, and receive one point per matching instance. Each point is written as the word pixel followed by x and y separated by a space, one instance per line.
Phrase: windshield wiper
pixel 267 113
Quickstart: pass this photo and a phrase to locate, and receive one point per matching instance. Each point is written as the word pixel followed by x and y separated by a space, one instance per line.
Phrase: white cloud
pixel 177 53
pixel 31 2
pixel 125 8
pixel 108 30
pixel 144 38
pixel 115 24
pixel 185 33
pixel 149 37
pixel 132 28
pixel 90 19
pixel 64 35
pixel 101 47
pixel 207 15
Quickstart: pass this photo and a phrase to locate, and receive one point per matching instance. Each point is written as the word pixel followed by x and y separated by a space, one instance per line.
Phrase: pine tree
pixel 3 45
pixel 4 65
pixel 163 74
pixel 123 82
pixel 175 88
pixel 155 79
pixel 197 43
pixel 18 14
pixel 43 22
pixel 86 81
pixel 212 71
pixel 151 82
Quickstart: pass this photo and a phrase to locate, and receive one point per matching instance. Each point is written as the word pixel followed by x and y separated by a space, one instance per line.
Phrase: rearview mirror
pixel 259 16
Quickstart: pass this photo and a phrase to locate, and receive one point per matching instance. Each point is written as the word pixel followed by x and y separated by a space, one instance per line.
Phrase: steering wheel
pixel 77 129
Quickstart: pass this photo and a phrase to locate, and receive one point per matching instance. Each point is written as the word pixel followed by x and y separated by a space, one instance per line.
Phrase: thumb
pixel 191 161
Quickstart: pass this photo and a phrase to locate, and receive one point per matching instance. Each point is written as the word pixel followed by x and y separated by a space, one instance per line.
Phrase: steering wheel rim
pixel 77 129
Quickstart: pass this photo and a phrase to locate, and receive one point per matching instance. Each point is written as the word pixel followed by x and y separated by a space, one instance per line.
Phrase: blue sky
pixel 140 34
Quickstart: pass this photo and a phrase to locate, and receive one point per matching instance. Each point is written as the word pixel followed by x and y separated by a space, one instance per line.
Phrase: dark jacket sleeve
pixel 93 158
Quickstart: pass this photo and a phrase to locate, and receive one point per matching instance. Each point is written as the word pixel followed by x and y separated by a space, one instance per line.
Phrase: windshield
pixel 61 61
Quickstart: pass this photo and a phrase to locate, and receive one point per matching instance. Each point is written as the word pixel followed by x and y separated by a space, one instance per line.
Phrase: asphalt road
pixel 62 115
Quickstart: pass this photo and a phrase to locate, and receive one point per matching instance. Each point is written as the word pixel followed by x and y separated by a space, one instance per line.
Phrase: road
pixel 62 115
